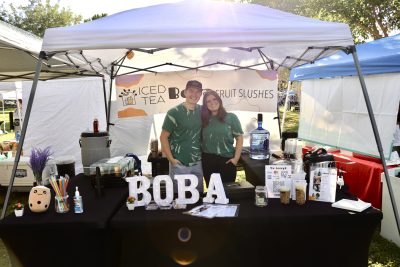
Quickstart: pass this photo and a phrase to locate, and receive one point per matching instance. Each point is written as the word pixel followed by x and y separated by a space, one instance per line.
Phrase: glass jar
pixel 261 196
pixel 61 204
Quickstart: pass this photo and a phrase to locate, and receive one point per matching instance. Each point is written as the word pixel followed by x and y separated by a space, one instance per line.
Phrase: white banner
pixel 244 90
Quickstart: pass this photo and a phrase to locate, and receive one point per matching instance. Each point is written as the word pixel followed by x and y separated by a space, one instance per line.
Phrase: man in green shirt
pixel 180 135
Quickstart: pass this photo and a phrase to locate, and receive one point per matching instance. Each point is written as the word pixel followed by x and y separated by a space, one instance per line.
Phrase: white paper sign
pixel 277 176
pixel 323 184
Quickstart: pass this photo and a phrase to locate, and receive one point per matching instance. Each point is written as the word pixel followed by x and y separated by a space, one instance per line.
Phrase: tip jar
pixel 261 196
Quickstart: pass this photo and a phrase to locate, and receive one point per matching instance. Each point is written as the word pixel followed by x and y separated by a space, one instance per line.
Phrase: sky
pixel 88 8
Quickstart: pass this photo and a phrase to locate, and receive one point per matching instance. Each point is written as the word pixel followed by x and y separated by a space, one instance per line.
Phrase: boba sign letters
pixel 141 184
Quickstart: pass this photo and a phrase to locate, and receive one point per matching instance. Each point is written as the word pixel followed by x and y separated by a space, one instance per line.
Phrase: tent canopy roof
pixel 380 56
pixel 281 37
pixel 19 51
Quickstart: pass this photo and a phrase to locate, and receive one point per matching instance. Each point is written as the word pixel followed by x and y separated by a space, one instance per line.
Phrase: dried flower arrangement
pixel 37 162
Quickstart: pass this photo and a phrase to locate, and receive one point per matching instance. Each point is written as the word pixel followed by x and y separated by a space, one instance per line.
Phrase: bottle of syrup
pixel 95 126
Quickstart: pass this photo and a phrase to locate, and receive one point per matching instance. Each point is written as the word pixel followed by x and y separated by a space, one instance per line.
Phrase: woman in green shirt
pixel 219 131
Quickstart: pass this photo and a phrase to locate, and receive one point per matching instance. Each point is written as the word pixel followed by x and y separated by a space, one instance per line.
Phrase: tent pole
pixel 4 124
pixel 285 106
pixel 24 127
pixel 109 98
pixel 18 109
pixel 279 120
pixel 105 99
pixel 376 134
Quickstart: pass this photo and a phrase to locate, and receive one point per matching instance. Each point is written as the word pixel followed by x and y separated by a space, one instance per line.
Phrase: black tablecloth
pixel 254 169
pixel 107 234
pixel 314 234
pixel 68 239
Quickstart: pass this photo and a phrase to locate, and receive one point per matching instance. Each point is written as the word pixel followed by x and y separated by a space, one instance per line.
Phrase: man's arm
pixel 165 147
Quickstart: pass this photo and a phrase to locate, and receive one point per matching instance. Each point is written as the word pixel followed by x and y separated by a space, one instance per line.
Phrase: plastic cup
pixel 285 195
pixel 300 190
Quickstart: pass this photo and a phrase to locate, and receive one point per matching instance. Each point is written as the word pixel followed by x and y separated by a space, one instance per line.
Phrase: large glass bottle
pixel 259 141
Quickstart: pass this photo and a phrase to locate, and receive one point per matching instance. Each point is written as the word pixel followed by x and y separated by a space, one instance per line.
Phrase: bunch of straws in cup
pixel 60 188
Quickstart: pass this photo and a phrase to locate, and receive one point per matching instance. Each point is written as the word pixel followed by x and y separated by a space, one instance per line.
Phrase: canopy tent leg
pixel 4 124
pixel 18 108
pixel 105 99
pixel 376 134
pixel 109 98
pixel 42 55
pixel 285 106
pixel 279 120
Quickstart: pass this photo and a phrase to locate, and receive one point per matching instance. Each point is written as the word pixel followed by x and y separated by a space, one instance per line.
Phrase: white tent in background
pixel 13 91
pixel 19 52
pixel 331 117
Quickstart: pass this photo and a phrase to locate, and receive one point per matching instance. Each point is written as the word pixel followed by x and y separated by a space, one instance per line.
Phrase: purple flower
pixel 38 159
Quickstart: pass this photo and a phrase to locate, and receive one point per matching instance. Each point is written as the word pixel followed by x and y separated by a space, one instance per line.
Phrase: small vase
pixel 19 213
pixel 38 177
pixel 131 206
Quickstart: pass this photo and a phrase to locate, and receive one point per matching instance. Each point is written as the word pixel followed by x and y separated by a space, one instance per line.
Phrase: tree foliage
pixel 367 18
pixel 96 16
pixel 36 17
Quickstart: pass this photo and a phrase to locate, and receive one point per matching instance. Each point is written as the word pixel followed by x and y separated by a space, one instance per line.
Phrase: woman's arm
pixel 238 150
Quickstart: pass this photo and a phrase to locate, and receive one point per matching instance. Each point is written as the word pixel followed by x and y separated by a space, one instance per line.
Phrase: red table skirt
pixel 363 178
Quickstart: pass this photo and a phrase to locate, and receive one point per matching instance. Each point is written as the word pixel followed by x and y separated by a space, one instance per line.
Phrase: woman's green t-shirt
pixel 218 137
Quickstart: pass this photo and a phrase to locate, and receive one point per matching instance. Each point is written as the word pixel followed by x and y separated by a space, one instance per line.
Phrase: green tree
pixel 36 17
pixel 96 16
pixel 367 18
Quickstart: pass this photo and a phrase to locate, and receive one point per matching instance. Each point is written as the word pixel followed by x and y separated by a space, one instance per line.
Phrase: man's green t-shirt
pixel 184 126
pixel 218 137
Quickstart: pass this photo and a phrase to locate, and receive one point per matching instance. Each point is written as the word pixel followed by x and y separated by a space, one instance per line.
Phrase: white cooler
pixel 23 176
pixel 388 225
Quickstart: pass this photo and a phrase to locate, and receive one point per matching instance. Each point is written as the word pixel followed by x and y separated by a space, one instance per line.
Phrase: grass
pixel 10 135
pixel 382 253
pixel 291 120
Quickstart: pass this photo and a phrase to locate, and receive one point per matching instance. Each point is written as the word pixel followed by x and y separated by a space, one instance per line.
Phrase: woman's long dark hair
pixel 206 114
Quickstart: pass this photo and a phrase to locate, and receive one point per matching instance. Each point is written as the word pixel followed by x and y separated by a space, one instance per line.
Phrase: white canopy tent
pixel 272 37
pixel 281 39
